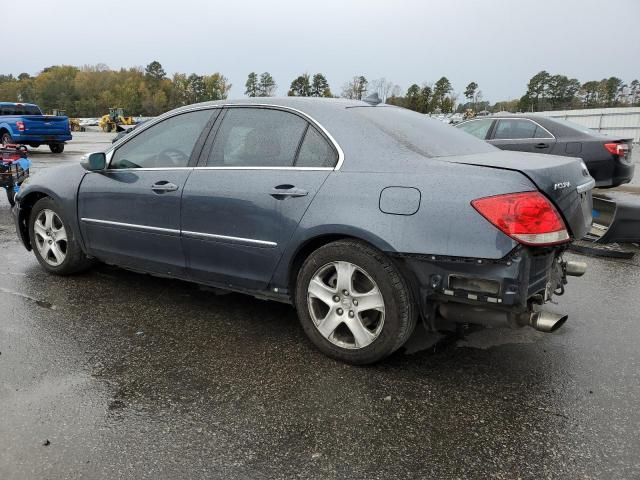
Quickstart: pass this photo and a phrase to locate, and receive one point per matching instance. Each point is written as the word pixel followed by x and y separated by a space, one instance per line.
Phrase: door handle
pixel 541 145
pixel 164 186
pixel 283 191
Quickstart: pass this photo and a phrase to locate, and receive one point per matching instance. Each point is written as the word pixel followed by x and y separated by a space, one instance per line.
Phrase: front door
pixel 242 206
pixel 130 213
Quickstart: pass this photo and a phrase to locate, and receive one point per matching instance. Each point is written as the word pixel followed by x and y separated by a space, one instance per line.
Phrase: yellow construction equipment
pixel 113 120
pixel 74 123
pixel 468 114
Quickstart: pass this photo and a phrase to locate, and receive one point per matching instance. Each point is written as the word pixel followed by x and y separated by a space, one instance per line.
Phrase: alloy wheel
pixel 50 237
pixel 346 305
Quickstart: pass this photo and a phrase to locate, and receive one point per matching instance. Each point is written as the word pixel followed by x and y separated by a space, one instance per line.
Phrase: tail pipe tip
pixel 546 321
pixel 575 269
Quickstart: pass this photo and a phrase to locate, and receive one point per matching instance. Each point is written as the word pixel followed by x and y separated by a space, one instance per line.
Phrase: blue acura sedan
pixel 365 217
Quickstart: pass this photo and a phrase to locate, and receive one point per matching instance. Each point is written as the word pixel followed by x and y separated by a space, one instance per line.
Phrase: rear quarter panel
pixel 444 224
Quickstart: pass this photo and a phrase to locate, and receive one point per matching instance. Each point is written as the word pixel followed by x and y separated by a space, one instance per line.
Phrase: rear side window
pixel 515 129
pixel 166 144
pixel 477 128
pixel 257 137
pixel 22 110
pixel 316 151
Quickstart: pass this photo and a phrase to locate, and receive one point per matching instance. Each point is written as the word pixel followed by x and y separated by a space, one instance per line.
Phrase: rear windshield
pixel 424 135
pixel 22 110
pixel 574 125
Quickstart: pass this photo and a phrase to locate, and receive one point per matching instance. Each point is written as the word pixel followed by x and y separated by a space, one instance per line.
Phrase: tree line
pixel 90 91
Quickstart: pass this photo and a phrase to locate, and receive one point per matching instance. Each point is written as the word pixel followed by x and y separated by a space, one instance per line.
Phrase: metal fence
pixel 623 121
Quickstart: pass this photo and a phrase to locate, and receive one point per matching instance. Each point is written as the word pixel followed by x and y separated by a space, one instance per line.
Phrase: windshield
pixel 424 135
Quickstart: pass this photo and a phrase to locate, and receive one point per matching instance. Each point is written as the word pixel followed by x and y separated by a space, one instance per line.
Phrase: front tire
pixel 56 147
pixel 11 196
pixel 353 303
pixel 53 242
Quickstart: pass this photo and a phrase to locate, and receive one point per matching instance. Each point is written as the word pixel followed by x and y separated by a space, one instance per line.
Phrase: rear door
pixel 256 179
pixel 130 213
pixel 521 134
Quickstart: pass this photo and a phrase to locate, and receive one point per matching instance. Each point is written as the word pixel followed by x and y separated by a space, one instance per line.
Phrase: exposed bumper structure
pixel 505 292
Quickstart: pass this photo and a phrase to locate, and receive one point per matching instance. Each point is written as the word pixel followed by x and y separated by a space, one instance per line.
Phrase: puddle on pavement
pixel 38 302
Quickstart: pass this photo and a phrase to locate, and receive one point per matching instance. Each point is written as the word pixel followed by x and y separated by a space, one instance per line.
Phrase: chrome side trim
pixel 313 169
pixel 585 187
pixel 96 221
pixel 249 241
pixel 146 169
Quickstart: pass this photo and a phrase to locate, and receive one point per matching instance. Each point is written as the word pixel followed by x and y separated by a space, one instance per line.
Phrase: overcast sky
pixel 499 44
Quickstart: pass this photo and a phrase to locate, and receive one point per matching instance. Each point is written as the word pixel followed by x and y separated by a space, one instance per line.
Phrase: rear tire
pixel 53 241
pixel 7 139
pixel 57 147
pixel 369 322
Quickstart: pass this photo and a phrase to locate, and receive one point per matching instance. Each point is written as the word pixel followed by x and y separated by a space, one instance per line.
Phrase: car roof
pixel 358 131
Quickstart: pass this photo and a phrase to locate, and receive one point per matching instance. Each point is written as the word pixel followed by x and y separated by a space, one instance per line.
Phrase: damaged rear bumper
pixel 500 292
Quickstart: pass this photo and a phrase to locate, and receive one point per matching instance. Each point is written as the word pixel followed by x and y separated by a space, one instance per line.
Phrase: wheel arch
pixel 26 204
pixel 320 239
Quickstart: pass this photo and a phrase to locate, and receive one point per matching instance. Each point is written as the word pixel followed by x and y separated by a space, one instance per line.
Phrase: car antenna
pixel 372 99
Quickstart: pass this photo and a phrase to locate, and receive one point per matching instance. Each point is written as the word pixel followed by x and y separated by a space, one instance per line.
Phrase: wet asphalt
pixel 112 374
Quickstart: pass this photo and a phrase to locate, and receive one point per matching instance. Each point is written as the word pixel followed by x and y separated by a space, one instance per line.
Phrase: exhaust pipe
pixel 546 321
pixel 575 269
pixel 542 321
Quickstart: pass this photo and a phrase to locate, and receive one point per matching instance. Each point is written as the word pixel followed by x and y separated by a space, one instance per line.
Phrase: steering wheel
pixel 173 156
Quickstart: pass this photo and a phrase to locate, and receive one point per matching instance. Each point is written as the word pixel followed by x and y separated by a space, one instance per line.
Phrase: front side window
pixel 477 128
pixel 164 145
pixel 515 129
pixel 257 137
pixel 316 151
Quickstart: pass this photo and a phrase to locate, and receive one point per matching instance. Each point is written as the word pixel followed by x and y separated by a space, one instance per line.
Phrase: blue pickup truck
pixel 24 124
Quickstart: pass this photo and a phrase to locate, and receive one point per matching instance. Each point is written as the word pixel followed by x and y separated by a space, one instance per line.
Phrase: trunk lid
pixel 45 125
pixel 564 180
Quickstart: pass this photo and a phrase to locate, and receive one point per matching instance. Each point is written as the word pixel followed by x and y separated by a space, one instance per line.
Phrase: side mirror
pixel 94 161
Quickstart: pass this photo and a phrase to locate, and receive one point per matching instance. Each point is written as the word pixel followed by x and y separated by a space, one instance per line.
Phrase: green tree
pixel 251 85
pixel 355 89
pixel 300 87
pixel 441 89
pixel 320 86
pixel 154 71
pixel 634 92
pixel 470 91
pixel 267 85
pixel 216 87
pixel 537 88
pixel 54 88
pixel 610 88
pixel 589 92
pixel 424 101
pixel 561 91
pixel 412 97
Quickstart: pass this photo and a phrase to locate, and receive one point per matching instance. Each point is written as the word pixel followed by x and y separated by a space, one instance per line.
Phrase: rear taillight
pixel 620 149
pixel 528 217
pixel 20 126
